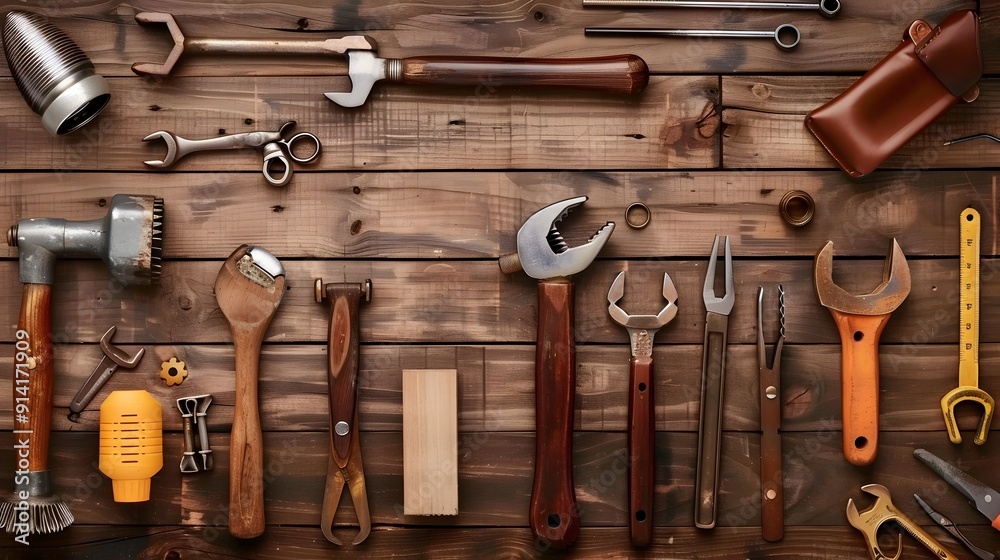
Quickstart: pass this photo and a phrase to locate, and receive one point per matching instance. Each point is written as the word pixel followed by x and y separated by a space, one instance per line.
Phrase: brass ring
pixel 638 225
pixel 797 208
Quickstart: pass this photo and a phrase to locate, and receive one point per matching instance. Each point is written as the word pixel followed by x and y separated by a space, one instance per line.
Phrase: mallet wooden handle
pixel 33 369
pixel 619 74
pixel 553 516
pixel 859 336
pixel 640 450
pixel 345 332
pixel 246 447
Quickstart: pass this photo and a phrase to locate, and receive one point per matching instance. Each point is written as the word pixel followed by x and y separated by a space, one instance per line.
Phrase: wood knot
pixel 761 91
pixel 185 303
pixel 356 227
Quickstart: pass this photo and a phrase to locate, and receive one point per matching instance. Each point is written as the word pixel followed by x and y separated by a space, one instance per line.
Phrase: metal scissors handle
pixel 276 168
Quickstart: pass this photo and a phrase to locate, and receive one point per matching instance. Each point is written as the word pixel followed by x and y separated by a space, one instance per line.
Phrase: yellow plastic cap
pixel 131 443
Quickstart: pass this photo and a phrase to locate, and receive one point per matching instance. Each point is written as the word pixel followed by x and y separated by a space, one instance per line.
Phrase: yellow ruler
pixel 968 335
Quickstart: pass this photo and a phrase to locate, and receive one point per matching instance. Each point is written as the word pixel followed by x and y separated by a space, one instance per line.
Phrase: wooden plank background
pixel 421 189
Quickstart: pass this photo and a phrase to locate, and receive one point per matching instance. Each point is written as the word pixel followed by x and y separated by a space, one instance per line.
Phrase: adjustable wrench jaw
pixel 870 521
pixel 649 323
pixel 543 253
pixel 884 299
pixel 364 69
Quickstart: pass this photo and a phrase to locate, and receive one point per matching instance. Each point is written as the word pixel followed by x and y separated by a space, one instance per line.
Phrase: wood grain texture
pixel 33 374
pixel 762 127
pixel 430 442
pixel 495 478
pixel 400 128
pixel 447 215
pixel 497 386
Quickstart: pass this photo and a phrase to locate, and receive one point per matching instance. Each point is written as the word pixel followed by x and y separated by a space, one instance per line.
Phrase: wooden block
pixel 430 442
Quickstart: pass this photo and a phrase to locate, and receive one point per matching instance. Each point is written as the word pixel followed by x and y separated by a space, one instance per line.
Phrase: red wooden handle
pixel 640 451
pixel 619 74
pixel 246 448
pixel 554 516
pixel 345 332
pixel 772 514
pixel 33 370
pixel 859 336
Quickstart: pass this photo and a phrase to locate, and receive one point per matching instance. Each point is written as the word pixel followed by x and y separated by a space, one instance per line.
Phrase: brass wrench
pixel 113 357
pixel 883 511
pixel 641 411
pixel 277 151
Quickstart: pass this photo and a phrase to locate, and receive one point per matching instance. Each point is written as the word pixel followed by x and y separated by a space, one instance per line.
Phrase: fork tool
pixel 713 369
pixel 641 407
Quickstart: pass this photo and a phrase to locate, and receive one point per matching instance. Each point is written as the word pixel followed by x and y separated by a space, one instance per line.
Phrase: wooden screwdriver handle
pixel 344 344
pixel 33 370
pixel 619 74
pixel 246 447
pixel 640 450
pixel 553 516
pixel 859 336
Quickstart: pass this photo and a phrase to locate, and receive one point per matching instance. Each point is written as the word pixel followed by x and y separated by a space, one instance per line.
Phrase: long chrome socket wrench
pixel 827 8
pixel 786 36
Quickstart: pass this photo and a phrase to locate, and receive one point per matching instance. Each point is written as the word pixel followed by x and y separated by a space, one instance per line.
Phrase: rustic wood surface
pixel 422 188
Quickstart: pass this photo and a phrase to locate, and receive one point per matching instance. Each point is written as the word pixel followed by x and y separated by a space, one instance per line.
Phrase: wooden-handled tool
pixel 641 410
pixel 772 513
pixel 249 289
pixel 544 255
pixel 618 74
pixel 860 320
pixel 128 239
pixel 344 467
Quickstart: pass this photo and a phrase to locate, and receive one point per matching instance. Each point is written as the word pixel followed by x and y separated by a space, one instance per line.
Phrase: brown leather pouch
pixel 904 93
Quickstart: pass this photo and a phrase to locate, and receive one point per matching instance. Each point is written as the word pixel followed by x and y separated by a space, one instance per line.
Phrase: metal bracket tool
pixel 112 359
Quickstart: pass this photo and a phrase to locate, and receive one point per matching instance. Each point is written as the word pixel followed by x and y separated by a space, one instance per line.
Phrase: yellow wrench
pixel 968 336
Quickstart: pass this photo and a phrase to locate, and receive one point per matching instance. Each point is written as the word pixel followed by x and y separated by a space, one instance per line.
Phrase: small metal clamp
pixel 194 412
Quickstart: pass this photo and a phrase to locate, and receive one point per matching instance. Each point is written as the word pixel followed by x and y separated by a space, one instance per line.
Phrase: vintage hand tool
pixel 968 336
pixel 113 357
pixel 344 466
pixel 883 511
pixel 641 407
pixel 949 525
pixel 860 320
pixel 620 74
pixel 128 240
pixel 983 136
pixel 277 151
pixel 986 499
pixel 713 369
pixel 544 255
pixel 249 289
pixel 772 515
pixel 786 36
pixel 828 8
pixel 194 413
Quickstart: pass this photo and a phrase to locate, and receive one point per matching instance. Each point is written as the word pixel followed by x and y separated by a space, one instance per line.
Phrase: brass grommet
pixel 634 223
pixel 797 208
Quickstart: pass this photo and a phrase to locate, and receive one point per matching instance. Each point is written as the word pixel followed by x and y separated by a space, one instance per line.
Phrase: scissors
pixel 277 150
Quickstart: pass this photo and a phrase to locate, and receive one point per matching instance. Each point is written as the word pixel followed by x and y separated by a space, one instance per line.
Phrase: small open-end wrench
pixel 543 254
pixel 277 151
pixel 828 8
pixel 713 370
pixel 786 36
pixel 641 407
pixel 860 321
pixel 884 511
pixel 619 74
pixel 113 357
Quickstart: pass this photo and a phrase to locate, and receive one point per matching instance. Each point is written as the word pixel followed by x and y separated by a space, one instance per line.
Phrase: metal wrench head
pixel 647 322
pixel 170 139
pixel 884 299
pixel 153 69
pixel 543 252
pixel 870 521
pixel 117 355
pixel 364 69
pixel 713 303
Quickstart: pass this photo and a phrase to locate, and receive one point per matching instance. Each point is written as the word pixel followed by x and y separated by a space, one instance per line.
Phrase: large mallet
pixel 128 239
